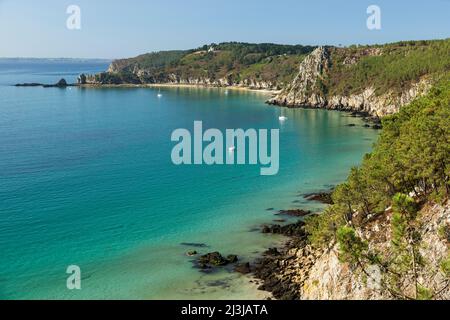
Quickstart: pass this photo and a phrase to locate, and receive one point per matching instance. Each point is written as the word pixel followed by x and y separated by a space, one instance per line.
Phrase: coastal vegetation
pixel 233 61
pixel 385 67
pixel 393 67
pixel 408 168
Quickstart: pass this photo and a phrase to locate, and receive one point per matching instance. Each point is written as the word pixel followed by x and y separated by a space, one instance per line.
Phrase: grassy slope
pixel 389 67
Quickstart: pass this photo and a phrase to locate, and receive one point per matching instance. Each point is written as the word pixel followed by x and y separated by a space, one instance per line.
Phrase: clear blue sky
pixel 114 29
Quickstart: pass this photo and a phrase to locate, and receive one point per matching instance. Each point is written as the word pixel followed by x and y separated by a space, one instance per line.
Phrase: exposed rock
pixel 142 77
pixel 60 84
pixel 272 252
pixel 291 230
pixel 243 268
pixel 232 258
pixel 215 259
pixel 295 213
pixel 299 93
pixel 300 271
pixel 377 127
pixel 191 253
pixel 323 197
pixel 196 245
pixel 302 92
pixel 33 84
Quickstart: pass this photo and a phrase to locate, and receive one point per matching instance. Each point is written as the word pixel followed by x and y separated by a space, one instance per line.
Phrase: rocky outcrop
pixel 303 272
pixel 306 91
pixel 89 79
pixel 330 279
pixel 215 259
pixel 144 77
pixel 60 84
pixel 300 92
pixel 222 82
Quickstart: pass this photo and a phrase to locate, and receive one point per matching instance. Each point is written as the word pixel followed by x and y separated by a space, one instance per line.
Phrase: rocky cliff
pixel 307 89
pixel 307 273
pixel 143 77
pixel 328 278
pixel 257 66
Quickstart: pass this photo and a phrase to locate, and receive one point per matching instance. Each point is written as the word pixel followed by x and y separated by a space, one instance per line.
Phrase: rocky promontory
pixel 309 90
pixel 300 271
pixel 373 81
pixel 60 84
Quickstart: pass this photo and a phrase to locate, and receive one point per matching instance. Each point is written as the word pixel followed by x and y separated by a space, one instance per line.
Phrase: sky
pixel 117 29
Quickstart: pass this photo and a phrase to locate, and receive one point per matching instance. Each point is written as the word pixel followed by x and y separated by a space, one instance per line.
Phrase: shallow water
pixel 87 179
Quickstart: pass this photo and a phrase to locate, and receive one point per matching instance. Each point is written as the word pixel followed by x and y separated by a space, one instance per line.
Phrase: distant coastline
pixel 172 85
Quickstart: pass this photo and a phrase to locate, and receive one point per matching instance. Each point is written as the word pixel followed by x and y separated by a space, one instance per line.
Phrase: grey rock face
pixel 302 92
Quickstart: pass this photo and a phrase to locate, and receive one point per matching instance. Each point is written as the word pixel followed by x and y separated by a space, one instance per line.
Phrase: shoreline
pixel 376 121
pixel 276 267
pixel 179 85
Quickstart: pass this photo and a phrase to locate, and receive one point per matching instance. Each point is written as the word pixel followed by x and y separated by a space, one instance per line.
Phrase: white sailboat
pixel 282 118
pixel 159 94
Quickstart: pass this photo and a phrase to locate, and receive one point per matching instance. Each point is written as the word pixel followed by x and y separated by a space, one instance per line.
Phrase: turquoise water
pixel 87 179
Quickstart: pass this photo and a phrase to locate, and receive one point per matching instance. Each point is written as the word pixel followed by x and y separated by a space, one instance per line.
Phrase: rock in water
pixel 243 268
pixel 215 259
pixel 323 197
pixel 195 245
pixel 29 85
pixel 61 83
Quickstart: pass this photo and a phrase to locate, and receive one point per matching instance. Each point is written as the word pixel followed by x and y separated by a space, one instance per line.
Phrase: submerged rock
pixel 195 245
pixel 29 85
pixel 272 252
pixel 60 84
pixel 232 258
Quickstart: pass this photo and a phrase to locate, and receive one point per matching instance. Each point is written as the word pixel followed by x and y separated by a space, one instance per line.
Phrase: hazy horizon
pixel 113 29
pixel 111 59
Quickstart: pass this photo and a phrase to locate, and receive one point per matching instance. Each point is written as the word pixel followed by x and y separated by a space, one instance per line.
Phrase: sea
pixel 87 180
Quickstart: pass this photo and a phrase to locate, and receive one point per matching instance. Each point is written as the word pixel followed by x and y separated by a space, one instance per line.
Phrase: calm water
pixel 86 178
